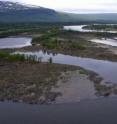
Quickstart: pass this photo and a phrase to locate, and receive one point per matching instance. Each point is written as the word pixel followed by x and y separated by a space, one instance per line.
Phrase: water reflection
pixel 81 29
pixel 106 69
pixel 15 42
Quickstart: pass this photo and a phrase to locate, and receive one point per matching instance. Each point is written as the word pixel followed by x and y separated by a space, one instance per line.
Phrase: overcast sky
pixel 76 5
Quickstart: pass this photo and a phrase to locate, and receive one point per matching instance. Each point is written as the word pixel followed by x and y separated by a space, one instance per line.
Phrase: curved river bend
pixel 106 69
pixel 107 41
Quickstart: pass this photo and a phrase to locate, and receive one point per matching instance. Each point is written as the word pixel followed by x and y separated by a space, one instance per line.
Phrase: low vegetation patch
pixel 30 82
pixel 16 57
pixel 51 40
pixel 101 27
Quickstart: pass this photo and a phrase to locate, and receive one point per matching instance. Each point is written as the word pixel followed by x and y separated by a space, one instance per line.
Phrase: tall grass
pixel 16 57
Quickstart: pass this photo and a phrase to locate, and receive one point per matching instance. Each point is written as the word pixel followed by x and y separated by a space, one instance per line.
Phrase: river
pixel 100 111
pixel 107 41
pixel 106 69
pixel 15 42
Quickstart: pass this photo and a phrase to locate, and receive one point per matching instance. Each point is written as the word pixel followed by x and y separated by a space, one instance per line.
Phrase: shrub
pixel 74 45
pixel 17 57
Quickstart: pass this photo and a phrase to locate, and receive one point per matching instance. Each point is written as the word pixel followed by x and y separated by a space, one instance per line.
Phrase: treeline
pixel 101 27
pixel 7 29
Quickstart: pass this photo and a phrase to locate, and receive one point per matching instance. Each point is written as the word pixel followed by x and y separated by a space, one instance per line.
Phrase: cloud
pixel 101 5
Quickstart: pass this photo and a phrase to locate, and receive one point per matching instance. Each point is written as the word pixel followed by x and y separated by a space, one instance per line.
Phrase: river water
pixel 93 112
pixel 107 41
pixel 14 42
pixel 101 111
pixel 106 69
pixel 80 29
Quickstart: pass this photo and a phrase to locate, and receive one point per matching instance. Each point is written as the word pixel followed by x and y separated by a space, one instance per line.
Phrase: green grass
pixel 8 29
pixel 16 57
pixel 75 45
pixel 51 40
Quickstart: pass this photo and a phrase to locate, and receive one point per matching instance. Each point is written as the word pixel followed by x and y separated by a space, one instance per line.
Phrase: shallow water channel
pixel 106 69
pixel 107 41
pixel 80 29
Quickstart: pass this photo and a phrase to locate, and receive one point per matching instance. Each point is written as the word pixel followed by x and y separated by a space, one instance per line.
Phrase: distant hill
pixel 95 18
pixel 6 6
pixel 16 12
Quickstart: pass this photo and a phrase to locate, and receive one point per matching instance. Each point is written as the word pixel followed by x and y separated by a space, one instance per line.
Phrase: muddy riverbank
pixel 48 83
pixel 44 83
pixel 30 82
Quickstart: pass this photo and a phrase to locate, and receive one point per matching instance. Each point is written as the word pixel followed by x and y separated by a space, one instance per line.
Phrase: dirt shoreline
pixel 45 83
pixel 92 50
pixel 33 83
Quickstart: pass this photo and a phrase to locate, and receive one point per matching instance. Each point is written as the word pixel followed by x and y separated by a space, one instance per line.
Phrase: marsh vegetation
pixel 31 81
pixel 105 27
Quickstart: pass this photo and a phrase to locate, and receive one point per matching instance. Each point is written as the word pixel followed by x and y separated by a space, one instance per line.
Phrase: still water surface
pixel 15 42
pixel 106 69
pixel 103 111
pixel 80 29
pixel 107 41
